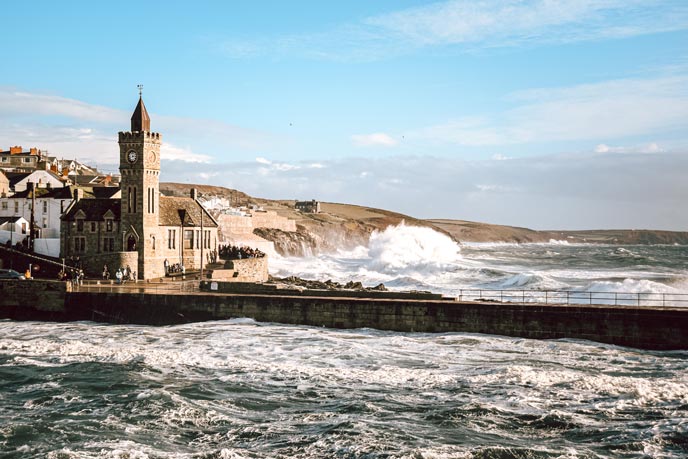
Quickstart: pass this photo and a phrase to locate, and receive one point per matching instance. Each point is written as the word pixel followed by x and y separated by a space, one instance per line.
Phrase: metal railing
pixel 557 297
pixel 139 286
pixel 571 297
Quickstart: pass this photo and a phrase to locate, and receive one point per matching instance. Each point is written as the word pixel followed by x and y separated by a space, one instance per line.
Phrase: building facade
pixel 142 229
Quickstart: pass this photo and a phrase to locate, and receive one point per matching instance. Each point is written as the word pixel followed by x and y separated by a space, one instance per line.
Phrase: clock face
pixel 132 156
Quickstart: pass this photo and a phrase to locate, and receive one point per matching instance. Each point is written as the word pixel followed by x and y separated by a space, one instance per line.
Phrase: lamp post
pixel 182 217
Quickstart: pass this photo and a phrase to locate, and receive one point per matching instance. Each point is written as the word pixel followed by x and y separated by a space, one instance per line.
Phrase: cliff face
pixel 338 226
pixel 346 226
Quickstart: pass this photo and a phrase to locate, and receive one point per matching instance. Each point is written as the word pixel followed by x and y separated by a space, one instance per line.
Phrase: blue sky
pixel 546 114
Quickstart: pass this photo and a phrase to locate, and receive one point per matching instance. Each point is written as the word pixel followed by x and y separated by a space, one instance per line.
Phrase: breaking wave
pixel 401 248
pixel 406 257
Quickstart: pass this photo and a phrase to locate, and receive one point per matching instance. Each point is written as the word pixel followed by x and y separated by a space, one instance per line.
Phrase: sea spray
pixel 403 248
pixel 405 257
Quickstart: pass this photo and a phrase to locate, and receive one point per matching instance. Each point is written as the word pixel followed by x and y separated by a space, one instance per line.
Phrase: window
pixel 206 241
pixel 109 244
pixel 4 205
pixel 80 225
pixel 80 244
pixel 5 159
pixel 27 160
pixel 198 239
pixel 93 227
pixel 151 200
pixel 171 238
pixel 45 222
pixel 188 239
pixel 16 207
pixel 108 225
pixel 131 199
pixel 23 228
pixel 45 207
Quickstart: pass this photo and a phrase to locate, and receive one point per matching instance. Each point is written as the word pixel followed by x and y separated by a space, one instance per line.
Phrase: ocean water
pixel 240 389
pixel 413 258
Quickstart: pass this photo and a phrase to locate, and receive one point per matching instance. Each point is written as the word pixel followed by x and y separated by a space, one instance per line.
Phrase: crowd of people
pixel 73 275
pixel 174 268
pixel 123 274
pixel 232 252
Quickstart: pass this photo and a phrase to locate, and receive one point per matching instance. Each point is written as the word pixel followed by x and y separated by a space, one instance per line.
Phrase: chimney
pixel 33 151
pixel 78 194
pixel 194 194
pixel 15 150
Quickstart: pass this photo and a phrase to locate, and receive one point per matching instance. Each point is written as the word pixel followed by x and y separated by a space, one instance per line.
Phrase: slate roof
pixel 16 177
pixel 170 215
pixel 140 121
pixel 105 191
pixel 65 192
pixel 4 220
pixel 95 209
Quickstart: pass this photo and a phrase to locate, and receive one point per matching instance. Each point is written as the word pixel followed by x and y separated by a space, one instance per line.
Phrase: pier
pixel 168 303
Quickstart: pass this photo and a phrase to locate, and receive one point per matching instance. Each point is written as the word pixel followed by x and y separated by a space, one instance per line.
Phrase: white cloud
pixel 549 192
pixel 378 139
pixel 14 102
pixel 644 148
pixel 605 110
pixel 170 152
pixel 472 24
pixel 74 129
pixel 498 22
pixel 275 166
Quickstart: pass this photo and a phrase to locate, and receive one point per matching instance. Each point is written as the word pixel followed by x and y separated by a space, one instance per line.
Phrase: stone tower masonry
pixel 139 166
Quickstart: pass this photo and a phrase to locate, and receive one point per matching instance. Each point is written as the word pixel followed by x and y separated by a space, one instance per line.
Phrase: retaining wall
pixel 649 328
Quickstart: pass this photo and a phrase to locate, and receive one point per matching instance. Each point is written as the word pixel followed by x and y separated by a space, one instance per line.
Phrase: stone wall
pixel 93 265
pixel 639 327
pixel 270 219
pixel 248 270
pixel 237 225
pixel 33 299
pixel 648 328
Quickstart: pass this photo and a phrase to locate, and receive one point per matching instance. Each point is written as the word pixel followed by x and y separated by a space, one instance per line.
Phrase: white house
pixel 42 179
pixel 13 229
pixel 50 204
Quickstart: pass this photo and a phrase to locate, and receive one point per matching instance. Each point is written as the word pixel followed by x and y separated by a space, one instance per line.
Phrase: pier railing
pixel 558 297
pixel 570 297
pixel 168 286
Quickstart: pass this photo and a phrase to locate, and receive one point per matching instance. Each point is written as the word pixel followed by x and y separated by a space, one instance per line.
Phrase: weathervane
pixel 140 86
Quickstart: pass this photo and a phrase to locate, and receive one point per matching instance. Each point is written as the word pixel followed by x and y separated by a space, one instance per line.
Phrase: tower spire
pixel 140 121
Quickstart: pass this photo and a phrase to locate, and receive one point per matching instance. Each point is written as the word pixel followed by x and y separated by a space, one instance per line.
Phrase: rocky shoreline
pixel 325 285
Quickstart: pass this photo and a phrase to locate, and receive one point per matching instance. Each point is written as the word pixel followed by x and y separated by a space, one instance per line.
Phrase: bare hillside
pixel 346 226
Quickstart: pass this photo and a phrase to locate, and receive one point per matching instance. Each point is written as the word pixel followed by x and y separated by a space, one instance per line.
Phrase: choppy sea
pixel 413 258
pixel 241 389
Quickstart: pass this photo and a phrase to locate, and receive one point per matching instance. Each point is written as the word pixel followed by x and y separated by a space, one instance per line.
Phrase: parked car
pixel 10 274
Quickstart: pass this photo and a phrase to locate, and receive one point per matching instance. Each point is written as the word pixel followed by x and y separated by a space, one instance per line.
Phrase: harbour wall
pixel 639 327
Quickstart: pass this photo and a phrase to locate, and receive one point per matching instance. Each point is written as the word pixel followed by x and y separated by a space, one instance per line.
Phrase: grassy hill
pixel 347 225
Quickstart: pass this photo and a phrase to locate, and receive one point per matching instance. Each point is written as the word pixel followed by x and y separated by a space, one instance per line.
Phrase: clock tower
pixel 139 166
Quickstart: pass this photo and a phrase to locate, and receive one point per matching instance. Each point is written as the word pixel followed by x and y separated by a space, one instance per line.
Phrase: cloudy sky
pixel 539 113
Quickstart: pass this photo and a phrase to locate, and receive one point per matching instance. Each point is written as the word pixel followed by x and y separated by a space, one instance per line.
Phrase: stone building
pixel 142 229
pixel 16 159
pixel 311 207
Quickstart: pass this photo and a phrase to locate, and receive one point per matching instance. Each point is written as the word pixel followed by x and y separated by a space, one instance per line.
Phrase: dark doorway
pixel 131 243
